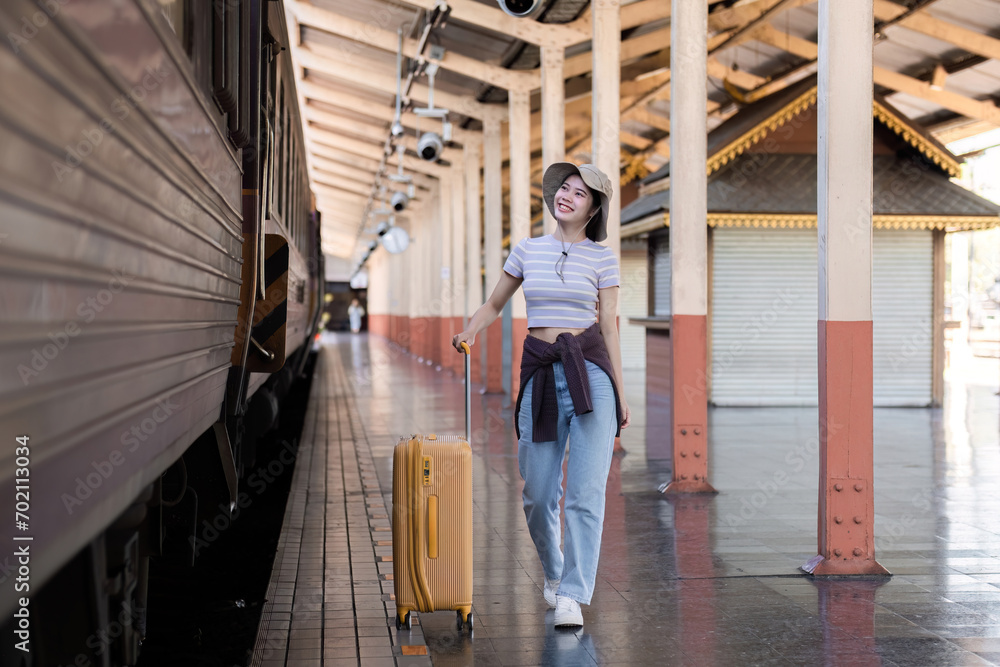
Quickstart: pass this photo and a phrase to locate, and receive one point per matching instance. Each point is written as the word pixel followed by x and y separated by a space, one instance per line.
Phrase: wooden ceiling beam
pixel 922 22
pixel 984 110
pixel 330 155
pixel 370 34
pixel 979 109
pixel 331 137
pixel 366 74
pixel 339 193
pixel 494 19
pixel 345 184
pixel 378 128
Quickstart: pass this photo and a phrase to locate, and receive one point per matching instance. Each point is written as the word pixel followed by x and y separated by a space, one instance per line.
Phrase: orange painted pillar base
pixel 618 449
pixel 455 361
pixel 434 341
pixel 418 336
pixel 494 357
pixel 846 465
pixel 518 332
pixel 689 404
pixel 404 339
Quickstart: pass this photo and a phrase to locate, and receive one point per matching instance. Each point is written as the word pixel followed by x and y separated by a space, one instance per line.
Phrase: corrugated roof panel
pixel 982 16
pixel 929 47
pixel 346 50
pixel 973 81
pixel 801 22
pixel 912 107
pixel 386 14
pixel 335 84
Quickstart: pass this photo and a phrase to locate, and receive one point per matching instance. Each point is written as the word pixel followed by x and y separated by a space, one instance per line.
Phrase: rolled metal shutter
pixel 661 276
pixel 634 303
pixel 764 312
pixel 902 290
pixel 764 316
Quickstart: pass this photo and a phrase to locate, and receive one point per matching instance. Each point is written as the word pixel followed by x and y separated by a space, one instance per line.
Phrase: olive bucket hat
pixel 597 180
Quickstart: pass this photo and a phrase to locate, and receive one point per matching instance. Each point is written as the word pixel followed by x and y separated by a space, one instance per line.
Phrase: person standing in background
pixel 355 312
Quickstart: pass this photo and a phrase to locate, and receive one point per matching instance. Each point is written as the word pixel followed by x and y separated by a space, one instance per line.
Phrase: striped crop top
pixel 551 302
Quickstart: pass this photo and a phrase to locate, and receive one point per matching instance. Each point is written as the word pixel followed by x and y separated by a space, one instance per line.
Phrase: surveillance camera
pixel 521 8
pixel 399 201
pixel 372 246
pixel 382 228
pixel 397 129
pixel 430 146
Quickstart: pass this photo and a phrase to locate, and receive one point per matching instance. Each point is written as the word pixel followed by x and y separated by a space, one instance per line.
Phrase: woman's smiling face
pixel 574 204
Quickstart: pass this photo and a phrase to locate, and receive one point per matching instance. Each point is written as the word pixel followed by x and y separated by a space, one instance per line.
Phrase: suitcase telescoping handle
pixel 468 391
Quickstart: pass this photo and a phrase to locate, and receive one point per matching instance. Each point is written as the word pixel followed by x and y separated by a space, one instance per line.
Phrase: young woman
pixel 571 378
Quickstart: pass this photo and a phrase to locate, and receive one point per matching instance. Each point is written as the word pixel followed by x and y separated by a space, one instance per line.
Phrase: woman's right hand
pixel 463 337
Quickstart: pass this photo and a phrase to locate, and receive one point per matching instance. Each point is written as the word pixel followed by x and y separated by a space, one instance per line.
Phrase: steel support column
pixel 441 300
pixel 492 246
pixel 456 299
pixel 688 249
pixel 553 117
pixel 846 540
pixel 520 215
pixel 606 114
pixel 472 158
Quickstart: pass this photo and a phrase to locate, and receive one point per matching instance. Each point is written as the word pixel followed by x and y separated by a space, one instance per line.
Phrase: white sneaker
pixel 568 612
pixel 549 592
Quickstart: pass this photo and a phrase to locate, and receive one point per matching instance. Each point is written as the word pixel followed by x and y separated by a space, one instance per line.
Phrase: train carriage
pixel 161 274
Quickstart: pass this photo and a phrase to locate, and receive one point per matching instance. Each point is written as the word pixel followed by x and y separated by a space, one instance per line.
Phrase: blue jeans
pixel 591 437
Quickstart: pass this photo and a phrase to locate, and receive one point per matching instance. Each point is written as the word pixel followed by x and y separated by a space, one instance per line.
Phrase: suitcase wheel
pixel 405 622
pixel 459 621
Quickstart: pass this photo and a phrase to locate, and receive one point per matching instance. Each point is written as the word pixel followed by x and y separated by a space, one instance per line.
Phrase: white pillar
pixel 492 244
pixel 473 230
pixel 846 526
pixel 520 215
pixel 606 118
pixel 492 202
pixel 442 300
pixel 553 116
pixel 520 179
pixel 458 245
pixel 688 249
pixel 688 150
pixel 844 161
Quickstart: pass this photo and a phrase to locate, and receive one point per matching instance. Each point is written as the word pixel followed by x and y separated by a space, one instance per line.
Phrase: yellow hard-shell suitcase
pixel 432 522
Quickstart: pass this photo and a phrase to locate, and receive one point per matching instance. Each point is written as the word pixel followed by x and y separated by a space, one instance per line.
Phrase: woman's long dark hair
pixel 594 224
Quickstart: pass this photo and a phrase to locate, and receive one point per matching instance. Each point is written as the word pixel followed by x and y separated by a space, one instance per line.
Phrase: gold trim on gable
pixel 894 222
pixel 768 125
pixel 635 168
pixel 900 127
pixel 808 221
pixel 807 99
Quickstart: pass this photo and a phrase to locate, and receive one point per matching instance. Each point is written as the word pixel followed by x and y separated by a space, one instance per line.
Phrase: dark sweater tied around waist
pixel 573 351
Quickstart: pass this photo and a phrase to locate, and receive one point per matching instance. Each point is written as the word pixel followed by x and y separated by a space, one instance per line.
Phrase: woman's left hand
pixel 626 414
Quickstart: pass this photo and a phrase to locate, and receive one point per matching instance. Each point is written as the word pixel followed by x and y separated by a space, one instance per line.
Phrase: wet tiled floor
pixel 690 581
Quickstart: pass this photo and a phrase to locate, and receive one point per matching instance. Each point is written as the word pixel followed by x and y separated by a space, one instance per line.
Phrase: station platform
pixel 687 581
